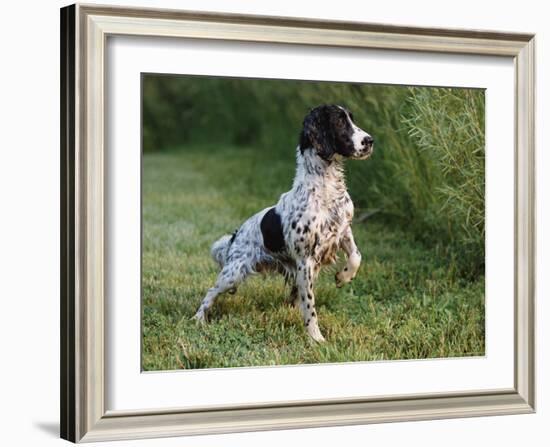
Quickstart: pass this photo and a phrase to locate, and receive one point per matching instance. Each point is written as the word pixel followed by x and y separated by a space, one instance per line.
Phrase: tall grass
pixel 448 126
pixel 427 171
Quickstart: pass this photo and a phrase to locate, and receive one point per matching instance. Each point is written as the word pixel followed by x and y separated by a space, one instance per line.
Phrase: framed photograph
pixel 275 223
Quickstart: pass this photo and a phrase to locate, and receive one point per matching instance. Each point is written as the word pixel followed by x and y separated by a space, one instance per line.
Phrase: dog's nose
pixel 367 141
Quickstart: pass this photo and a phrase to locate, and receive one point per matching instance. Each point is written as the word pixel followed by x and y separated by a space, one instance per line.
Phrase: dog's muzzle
pixel 367 147
pixel 367 141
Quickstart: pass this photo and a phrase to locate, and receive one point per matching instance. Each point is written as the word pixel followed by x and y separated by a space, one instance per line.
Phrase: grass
pixel 407 302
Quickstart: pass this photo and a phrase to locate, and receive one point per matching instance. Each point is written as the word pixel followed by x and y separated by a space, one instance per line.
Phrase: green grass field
pixel 407 302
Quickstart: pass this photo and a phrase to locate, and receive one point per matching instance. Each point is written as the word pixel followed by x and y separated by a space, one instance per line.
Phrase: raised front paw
pixel 343 277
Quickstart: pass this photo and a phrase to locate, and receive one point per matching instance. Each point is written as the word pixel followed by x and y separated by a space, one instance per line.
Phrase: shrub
pixel 448 127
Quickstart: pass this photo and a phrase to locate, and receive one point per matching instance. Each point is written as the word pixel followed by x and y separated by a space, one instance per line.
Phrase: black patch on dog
pixel 272 231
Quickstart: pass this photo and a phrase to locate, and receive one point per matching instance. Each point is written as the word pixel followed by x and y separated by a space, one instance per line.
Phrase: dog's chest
pixel 333 223
pixel 317 227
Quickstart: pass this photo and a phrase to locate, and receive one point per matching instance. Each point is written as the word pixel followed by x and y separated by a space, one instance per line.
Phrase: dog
pixel 308 225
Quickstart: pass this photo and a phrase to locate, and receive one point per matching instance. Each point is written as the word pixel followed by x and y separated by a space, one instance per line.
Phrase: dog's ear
pixel 317 133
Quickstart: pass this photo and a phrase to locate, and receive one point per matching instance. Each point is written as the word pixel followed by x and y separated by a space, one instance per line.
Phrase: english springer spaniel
pixel 309 223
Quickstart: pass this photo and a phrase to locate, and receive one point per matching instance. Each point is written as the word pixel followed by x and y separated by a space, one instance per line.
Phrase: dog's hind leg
pixel 228 279
pixel 293 299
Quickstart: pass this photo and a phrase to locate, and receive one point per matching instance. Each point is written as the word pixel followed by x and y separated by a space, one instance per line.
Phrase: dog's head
pixel 331 132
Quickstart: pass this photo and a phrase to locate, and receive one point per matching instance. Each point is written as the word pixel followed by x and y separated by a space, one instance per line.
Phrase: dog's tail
pixel 220 248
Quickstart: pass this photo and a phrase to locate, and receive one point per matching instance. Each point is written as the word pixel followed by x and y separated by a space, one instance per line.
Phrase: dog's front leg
pixel 353 259
pixel 304 281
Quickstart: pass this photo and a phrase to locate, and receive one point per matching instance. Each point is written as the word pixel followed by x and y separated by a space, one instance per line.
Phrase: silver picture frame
pixel 84 32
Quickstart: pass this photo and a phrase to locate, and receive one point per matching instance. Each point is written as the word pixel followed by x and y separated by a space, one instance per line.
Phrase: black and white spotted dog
pixel 308 225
